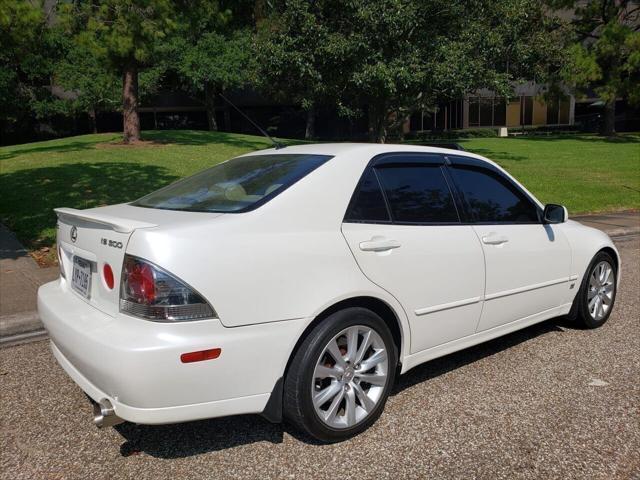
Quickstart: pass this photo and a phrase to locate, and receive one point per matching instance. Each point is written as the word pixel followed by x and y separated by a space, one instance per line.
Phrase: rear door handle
pixel 494 239
pixel 379 244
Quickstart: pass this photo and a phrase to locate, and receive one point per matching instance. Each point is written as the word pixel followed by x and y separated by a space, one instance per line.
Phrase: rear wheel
pixel 340 377
pixel 594 302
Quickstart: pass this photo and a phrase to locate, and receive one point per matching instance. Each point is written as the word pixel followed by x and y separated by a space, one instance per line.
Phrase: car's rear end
pixel 143 343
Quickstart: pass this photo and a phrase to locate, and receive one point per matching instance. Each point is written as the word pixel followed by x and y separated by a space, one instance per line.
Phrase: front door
pixel 405 233
pixel 527 262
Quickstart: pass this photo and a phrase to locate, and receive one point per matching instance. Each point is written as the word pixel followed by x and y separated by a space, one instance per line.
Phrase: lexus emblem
pixel 74 234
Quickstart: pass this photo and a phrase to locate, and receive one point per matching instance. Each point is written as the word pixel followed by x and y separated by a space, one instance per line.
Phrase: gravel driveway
pixel 547 402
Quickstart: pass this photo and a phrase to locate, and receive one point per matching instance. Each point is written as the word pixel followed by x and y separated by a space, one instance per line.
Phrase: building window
pixel 526 109
pixel 552 111
pixel 474 112
pixel 486 112
pixel 564 111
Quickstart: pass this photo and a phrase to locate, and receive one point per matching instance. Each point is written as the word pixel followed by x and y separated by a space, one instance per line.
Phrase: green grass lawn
pixel 585 173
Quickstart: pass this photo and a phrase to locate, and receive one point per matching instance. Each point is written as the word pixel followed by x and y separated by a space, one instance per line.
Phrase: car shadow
pixel 195 438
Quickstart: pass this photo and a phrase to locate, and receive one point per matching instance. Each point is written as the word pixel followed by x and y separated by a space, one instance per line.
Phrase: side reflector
pixel 107 272
pixel 201 355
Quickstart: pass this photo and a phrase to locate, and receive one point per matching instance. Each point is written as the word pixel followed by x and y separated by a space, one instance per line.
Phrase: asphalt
pixel 550 401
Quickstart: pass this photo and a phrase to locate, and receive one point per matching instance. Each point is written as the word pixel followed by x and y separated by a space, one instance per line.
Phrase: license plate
pixel 81 277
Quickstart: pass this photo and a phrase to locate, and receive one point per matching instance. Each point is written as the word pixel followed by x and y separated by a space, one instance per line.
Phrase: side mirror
pixel 554 214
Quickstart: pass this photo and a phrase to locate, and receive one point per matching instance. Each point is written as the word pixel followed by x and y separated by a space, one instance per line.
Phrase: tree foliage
pixel 605 55
pixel 389 57
pixel 29 47
pixel 216 62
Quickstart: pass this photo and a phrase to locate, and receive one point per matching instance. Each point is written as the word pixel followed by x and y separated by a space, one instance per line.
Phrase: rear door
pixel 404 231
pixel 527 262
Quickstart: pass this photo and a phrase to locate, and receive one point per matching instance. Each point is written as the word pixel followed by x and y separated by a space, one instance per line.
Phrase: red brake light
pixel 107 273
pixel 141 283
pixel 147 291
pixel 191 357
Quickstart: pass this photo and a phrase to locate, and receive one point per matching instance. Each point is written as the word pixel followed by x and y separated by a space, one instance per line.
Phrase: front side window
pixel 417 194
pixel 492 198
pixel 237 185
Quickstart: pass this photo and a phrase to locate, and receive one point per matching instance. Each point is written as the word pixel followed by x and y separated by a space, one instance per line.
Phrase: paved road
pixel 547 402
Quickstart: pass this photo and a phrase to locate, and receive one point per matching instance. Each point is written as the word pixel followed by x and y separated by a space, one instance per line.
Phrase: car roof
pixel 372 149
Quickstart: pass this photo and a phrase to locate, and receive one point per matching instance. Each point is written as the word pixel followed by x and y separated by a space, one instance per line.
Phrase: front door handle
pixel 379 244
pixel 492 239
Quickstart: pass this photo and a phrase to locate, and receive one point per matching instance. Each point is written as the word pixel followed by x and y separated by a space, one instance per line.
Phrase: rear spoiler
pixel 120 225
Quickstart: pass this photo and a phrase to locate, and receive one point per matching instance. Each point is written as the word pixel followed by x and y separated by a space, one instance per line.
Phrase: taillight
pixel 149 292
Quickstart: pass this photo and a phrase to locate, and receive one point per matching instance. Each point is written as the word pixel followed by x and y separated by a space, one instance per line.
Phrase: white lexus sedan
pixel 298 282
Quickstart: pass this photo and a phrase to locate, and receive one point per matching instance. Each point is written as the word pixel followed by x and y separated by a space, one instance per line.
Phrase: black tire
pixel 580 309
pixel 298 405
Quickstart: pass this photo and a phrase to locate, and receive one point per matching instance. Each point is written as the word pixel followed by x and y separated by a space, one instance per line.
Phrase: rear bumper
pixel 136 365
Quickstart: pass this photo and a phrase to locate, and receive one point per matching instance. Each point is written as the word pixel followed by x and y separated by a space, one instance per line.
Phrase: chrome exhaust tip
pixel 104 414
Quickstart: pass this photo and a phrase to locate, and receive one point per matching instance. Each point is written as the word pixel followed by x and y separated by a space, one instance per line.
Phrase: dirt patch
pixel 138 144
pixel 45 256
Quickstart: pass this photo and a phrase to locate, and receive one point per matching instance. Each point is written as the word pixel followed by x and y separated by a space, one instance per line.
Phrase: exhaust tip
pixel 104 414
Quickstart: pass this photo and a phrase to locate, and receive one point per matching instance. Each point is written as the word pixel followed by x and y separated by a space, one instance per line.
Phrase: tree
pixel 91 86
pixel 126 34
pixel 28 50
pixel 388 57
pixel 217 62
pixel 606 54
pixel 294 57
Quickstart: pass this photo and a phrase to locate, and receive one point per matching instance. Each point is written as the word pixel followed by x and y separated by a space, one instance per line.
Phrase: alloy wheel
pixel 350 377
pixel 601 290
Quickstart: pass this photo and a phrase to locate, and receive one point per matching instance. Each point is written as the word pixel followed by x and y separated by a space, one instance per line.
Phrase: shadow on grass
pixel 175 137
pixel 195 438
pixel 29 196
pixel 8 152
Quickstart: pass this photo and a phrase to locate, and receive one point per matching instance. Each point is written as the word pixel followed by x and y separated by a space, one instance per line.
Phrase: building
pixel 483 109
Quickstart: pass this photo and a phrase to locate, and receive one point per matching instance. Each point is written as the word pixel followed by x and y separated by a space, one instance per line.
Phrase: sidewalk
pixel 20 276
pixel 614 224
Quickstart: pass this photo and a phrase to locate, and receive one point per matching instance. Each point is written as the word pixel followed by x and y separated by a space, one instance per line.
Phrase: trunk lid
pixel 100 236
pixel 90 239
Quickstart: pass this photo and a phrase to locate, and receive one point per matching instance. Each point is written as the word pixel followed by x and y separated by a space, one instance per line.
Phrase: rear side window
pixel 418 194
pixel 238 185
pixel 492 198
pixel 368 204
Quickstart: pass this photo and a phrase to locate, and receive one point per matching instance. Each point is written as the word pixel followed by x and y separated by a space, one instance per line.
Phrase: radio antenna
pixel 276 144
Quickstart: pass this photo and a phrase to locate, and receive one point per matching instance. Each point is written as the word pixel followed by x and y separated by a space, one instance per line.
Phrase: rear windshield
pixel 238 185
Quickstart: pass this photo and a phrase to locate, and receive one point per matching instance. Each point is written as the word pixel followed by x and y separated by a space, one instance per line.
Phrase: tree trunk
pixel 609 123
pixel 377 123
pixel 130 116
pixel 93 126
pixel 210 105
pixel 310 130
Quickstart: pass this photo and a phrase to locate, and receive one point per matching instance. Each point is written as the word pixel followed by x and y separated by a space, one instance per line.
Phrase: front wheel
pixel 341 375
pixel 594 302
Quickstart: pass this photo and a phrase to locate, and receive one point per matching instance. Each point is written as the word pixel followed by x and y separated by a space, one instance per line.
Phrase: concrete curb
pixel 21 328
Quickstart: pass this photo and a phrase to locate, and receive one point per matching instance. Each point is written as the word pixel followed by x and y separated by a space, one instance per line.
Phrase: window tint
pixel 240 184
pixel 368 203
pixel 492 198
pixel 418 194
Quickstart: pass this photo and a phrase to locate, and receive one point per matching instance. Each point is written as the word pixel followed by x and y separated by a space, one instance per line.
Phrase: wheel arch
pixel 375 304
pixel 614 255
pixel 273 410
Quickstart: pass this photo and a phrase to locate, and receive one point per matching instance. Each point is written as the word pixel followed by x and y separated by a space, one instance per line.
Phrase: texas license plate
pixel 81 277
